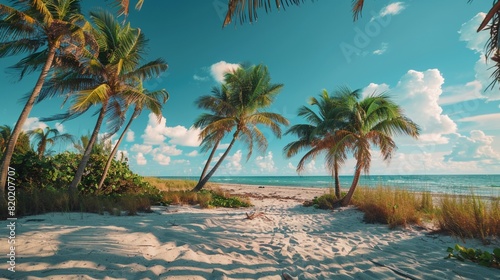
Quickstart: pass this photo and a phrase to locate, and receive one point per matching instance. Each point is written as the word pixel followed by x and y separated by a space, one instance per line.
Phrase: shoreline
pixel 187 242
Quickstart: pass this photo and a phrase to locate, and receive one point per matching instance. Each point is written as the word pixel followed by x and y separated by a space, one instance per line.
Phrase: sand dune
pixel 183 242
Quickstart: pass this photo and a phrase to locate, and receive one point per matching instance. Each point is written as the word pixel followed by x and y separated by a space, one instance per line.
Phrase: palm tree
pixel 101 147
pixel 42 136
pixel 249 91
pixel 109 80
pixel 374 120
pixel 22 145
pixel 152 101
pixel 218 104
pixel 321 124
pixel 28 26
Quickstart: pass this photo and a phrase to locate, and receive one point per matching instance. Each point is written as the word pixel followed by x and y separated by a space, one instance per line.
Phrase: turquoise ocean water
pixel 484 185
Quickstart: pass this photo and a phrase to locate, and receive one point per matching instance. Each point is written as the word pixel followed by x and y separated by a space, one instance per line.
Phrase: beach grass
pixel 386 205
pixel 470 216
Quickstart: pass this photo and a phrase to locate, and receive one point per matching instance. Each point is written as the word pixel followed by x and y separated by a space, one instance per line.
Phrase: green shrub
pixel 483 258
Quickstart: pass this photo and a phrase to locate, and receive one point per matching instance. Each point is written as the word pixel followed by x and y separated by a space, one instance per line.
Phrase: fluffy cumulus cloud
pixel 33 123
pixel 122 155
pixel 476 41
pixel 140 159
pixel 233 163
pixel 157 132
pixel 219 69
pixel 418 94
pixel 192 154
pixel 166 150
pixel 130 137
pixel 161 159
pixel 183 136
pixel 141 148
pixel 488 121
pixel 266 163
pixel 476 147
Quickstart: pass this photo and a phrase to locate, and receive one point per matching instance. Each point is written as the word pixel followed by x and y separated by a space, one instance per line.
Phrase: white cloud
pixel 192 154
pixel 33 123
pixel 183 136
pixel 291 166
pixel 59 127
pixel 122 154
pixel 140 159
pixel 488 121
pixel 477 147
pixel 130 136
pixel 418 94
pixel 219 69
pixel 161 159
pixel 390 10
pixel 266 163
pixel 157 132
pixel 233 163
pixel 143 149
pixel 199 78
pixel 310 167
pixel 476 41
pixel 382 50
pixel 166 150
pixel 223 146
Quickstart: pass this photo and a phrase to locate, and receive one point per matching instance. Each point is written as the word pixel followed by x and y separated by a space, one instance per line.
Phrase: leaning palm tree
pixel 152 101
pixel 108 80
pixel 218 104
pixel 373 120
pixel 321 124
pixel 250 91
pixel 43 138
pixel 56 26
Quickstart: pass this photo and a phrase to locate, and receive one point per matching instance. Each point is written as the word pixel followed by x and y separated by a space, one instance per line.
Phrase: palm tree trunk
pixel 86 155
pixel 115 148
pixel 346 199
pixel 7 156
pixel 209 160
pixel 337 179
pixel 202 183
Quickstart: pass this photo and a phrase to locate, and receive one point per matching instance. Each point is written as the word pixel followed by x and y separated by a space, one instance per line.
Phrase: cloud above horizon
pixel 219 69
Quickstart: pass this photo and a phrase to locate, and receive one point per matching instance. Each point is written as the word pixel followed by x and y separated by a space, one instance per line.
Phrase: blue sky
pixel 424 53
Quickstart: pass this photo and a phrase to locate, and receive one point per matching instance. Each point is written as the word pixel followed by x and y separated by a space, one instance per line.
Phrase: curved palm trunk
pixel 115 148
pixel 41 148
pixel 337 179
pixel 209 160
pixel 7 156
pixel 204 181
pixel 346 199
pixel 86 155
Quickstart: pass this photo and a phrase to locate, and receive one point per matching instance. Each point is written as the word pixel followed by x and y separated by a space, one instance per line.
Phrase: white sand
pixel 183 242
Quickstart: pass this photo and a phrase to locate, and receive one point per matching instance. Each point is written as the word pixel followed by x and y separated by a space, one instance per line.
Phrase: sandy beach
pixel 186 242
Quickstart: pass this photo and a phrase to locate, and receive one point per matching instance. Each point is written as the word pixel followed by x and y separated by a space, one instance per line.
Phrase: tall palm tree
pixel 42 137
pixel 101 147
pixel 250 92
pixel 53 25
pixel 108 80
pixel 218 104
pixel 373 120
pixel 321 124
pixel 152 101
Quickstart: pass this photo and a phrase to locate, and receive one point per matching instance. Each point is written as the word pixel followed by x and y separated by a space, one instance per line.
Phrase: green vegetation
pixel 462 216
pixel 347 123
pixel 484 258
